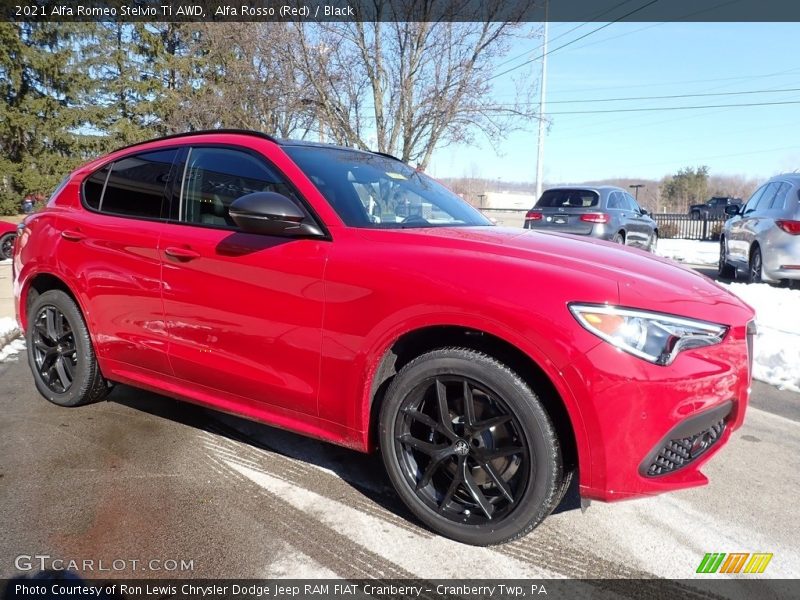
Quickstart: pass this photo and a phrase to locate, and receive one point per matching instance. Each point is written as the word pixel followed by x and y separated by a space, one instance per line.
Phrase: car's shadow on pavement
pixel 363 472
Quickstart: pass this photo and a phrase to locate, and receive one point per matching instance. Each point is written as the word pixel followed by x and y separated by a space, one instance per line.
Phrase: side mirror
pixel 644 212
pixel 732 210
pixel 270 213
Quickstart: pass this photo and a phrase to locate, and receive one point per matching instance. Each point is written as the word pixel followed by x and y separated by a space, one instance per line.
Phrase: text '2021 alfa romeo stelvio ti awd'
pixel 344 295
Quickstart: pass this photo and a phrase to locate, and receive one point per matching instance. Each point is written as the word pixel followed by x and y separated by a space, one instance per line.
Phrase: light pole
pixel 542 89
pixel 636 187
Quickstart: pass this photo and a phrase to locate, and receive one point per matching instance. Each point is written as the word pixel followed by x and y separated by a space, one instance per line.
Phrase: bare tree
pixel 407 88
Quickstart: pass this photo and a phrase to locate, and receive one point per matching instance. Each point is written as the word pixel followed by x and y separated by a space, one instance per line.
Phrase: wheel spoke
pixel 489 455
pixel 432 467
pixel 69 367
pixel 498 480
pixel 444 411
pixel 49 359
pixel 482 426
pixel 452 487
pixel 424 447
pixel 469 404
pixel 50 321
pixel 476 493
pixel 426 420
pixel 62 373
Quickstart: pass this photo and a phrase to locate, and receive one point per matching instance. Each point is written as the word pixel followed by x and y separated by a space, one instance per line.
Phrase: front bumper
pixel 637 414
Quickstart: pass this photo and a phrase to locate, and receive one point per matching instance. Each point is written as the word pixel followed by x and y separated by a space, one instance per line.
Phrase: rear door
pixel 112 248
pixel 243 311
pixel 562 210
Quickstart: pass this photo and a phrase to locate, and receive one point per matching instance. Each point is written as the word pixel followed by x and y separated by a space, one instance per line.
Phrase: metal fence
pixel 680 226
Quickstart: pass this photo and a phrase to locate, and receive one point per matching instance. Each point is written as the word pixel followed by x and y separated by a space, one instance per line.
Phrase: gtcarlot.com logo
pixel 735 562
pixel 45 562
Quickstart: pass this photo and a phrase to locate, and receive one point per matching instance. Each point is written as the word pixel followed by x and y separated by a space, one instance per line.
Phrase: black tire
pixel 695 215
pixel 7 245
pixel 619 238
pixel 60 352
pixel 725 270
pixel 436 463
pixel 755 266
pixel 653 245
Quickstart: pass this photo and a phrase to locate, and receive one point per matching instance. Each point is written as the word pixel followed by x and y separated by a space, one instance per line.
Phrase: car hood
pixel 643 280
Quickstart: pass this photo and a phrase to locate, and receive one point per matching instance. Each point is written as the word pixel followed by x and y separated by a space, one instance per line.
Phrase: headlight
pixel 654 337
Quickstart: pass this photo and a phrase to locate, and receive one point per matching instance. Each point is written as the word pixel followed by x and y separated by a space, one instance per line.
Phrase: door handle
pixel 181 253
pixel 72 236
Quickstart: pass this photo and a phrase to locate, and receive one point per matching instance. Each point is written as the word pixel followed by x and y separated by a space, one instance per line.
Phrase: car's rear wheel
pixel 695 215
pixel 7 245
pixel 619 238
pixel 469 447
pixel 60 352
pixel 754 273
pixel 725 270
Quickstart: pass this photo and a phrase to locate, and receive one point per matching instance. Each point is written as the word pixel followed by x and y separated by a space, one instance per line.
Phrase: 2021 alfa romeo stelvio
pixel 346 296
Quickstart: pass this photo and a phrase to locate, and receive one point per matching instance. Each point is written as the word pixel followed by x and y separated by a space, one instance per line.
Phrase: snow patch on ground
pixel 5 261
pixel 10 344
pixel 777 345
pixel 692 252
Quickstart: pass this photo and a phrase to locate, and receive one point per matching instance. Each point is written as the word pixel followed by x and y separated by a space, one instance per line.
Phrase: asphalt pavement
pixel 141 477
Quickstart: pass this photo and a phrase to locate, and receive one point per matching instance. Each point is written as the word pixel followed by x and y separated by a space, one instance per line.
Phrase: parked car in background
pixel 8 233
pixel 762 239
pixel 714 208
pixel 603 212
pixel 344 295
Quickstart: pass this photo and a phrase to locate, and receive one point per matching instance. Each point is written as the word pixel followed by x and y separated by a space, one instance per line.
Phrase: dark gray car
pixel 604 212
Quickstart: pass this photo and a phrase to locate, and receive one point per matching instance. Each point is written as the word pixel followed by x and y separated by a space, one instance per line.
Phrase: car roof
pixel 593 188
pixel 793 177
pixel 259 134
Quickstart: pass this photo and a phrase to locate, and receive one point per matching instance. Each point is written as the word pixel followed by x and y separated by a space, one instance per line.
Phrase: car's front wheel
pixel 469 447
pixel 7 245
pixel 60 352
pixel 754 274
pixel 725 270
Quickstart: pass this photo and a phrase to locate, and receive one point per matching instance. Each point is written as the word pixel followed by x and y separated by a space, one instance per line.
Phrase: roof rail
pixel 202 132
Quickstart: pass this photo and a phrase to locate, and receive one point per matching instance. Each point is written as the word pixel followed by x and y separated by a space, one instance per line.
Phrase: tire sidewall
pixel 75 395
pixel 544 463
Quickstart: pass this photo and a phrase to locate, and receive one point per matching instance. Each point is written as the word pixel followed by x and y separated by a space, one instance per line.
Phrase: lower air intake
pixel 678 453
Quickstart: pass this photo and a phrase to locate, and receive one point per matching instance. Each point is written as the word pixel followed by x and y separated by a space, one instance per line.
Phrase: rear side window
pixel 615 201
pixel 568 199
pixel 215 177
pixel 135 185
pixel 780 196
pixel 765 201
pixel 93 187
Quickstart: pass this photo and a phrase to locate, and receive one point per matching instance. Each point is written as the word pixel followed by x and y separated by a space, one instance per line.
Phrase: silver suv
pixel 604 212
pixel 762 238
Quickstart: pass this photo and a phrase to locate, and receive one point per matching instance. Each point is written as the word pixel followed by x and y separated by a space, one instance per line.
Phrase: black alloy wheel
pixel 754 274
pixel 60 352
pixel 55 355
pixel 469 448
pixel 7 245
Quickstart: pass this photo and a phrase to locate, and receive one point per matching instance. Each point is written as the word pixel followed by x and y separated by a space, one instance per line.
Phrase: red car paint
pixel 291 333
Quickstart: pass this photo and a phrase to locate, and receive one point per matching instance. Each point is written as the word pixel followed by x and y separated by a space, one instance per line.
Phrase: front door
pixel 243 311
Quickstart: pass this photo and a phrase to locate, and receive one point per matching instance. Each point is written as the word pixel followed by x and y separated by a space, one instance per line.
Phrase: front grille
pixel 680 452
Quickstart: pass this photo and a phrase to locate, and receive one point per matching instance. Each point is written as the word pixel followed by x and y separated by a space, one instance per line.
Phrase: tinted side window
pixel 136 184
pixel 614 201
pixel 632 202
pixel 766 198
pixel 779 197
pixel 753 201
pixel 215 177
pixel 93 187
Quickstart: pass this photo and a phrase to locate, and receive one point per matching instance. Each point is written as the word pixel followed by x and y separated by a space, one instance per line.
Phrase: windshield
pixel 369 190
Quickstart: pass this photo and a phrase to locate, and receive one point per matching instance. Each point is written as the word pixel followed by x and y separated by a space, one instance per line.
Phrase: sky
pixel 645 59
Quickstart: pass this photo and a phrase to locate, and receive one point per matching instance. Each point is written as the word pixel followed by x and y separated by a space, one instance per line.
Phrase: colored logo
pixel 735 562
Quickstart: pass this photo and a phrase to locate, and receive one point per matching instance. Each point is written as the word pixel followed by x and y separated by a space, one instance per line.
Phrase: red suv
pixel 346 296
